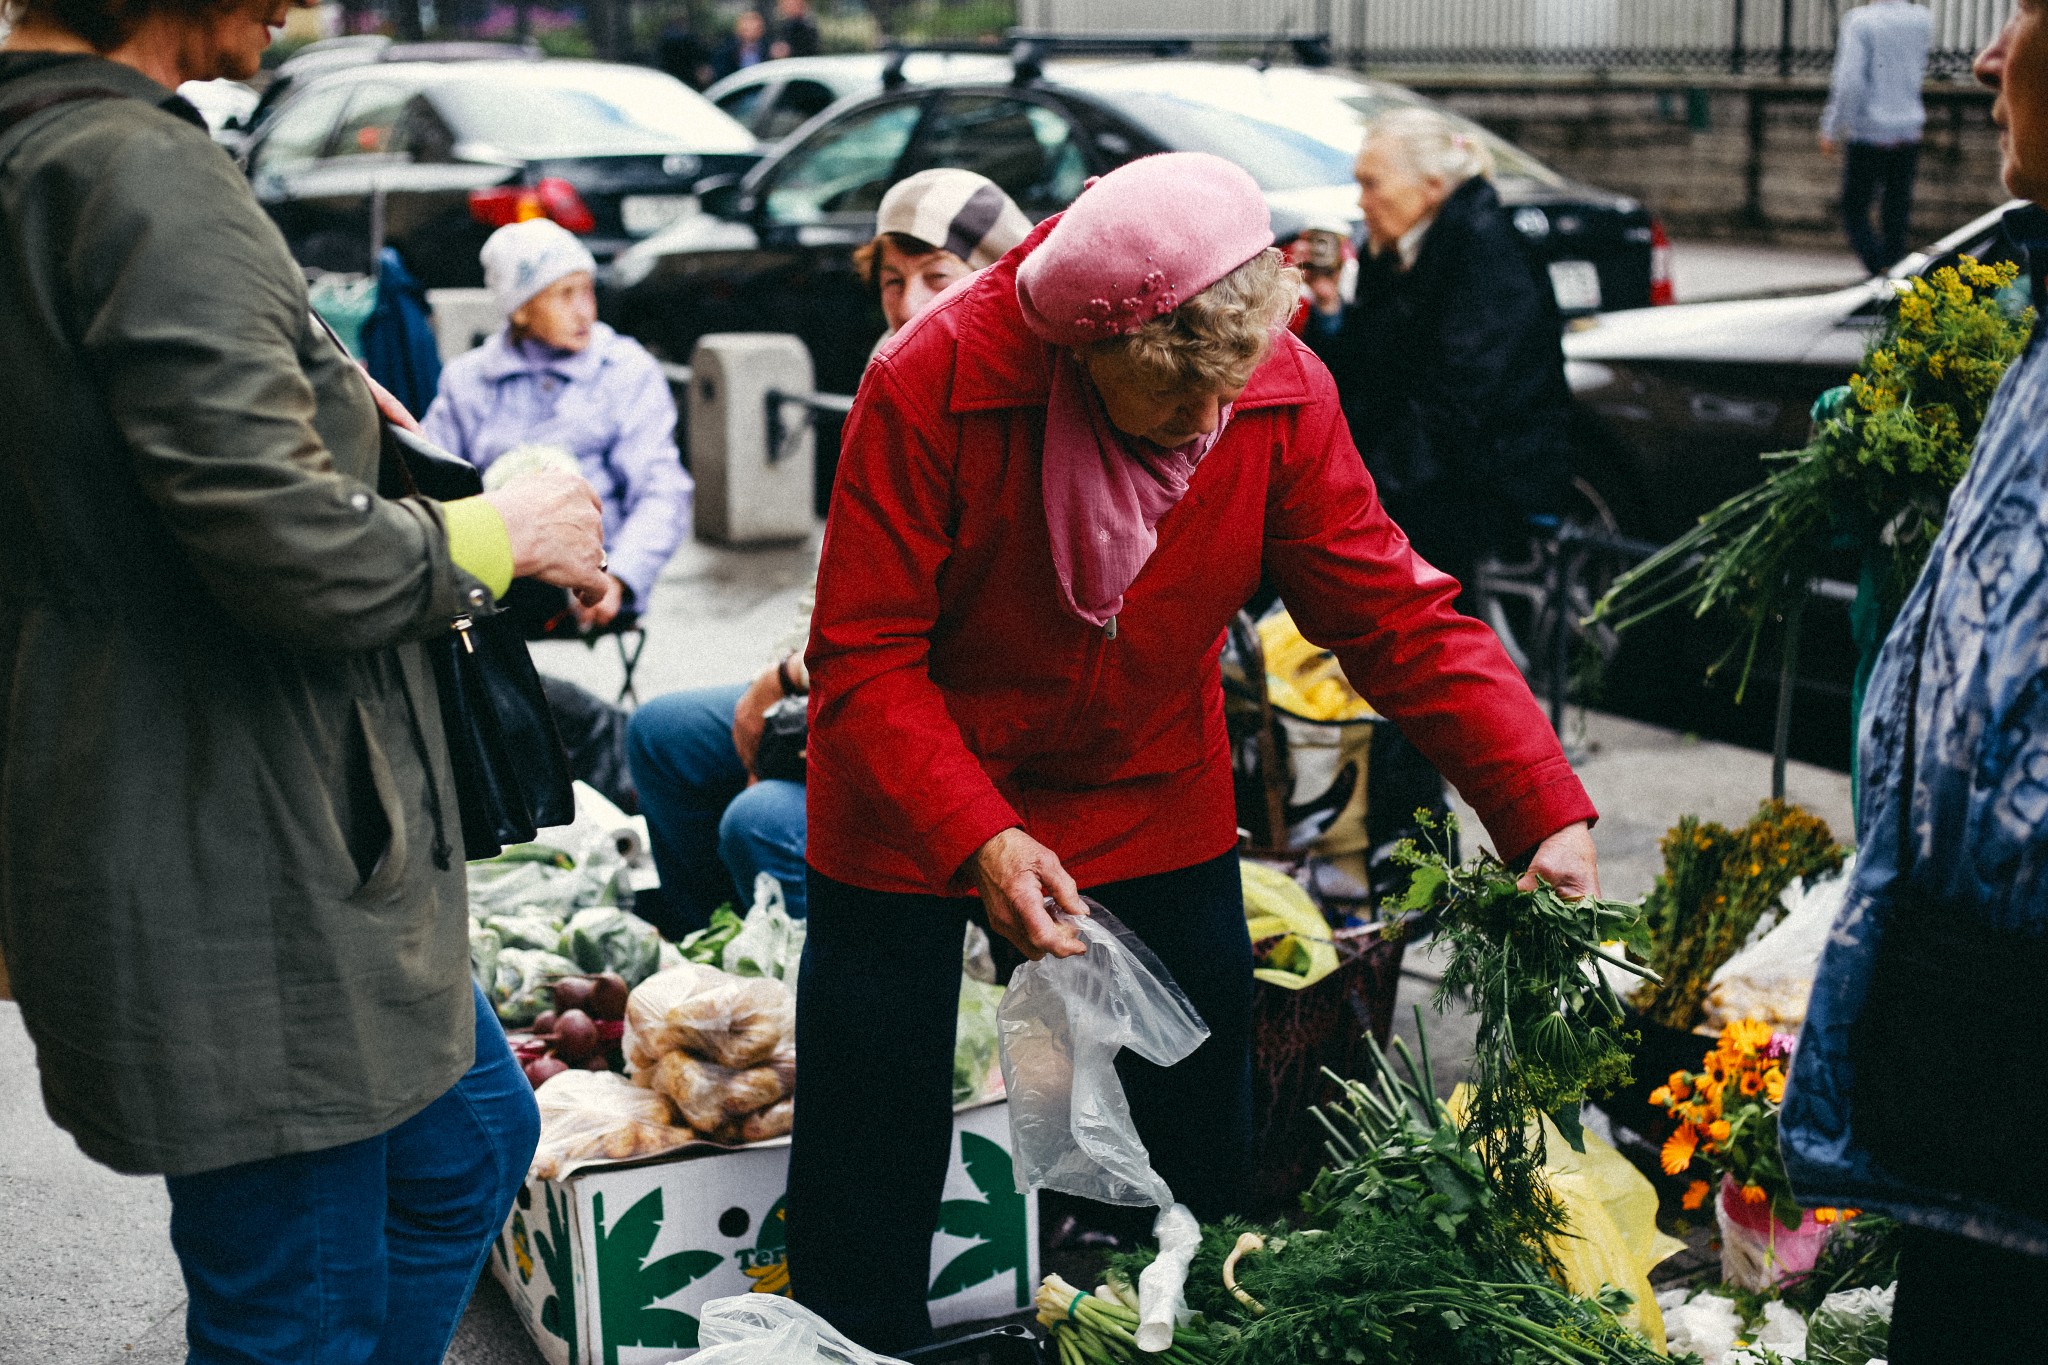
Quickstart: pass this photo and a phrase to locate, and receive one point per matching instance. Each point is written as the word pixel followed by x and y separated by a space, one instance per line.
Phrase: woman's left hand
pixel 1566 861
pixel 388 404
pixel 605 610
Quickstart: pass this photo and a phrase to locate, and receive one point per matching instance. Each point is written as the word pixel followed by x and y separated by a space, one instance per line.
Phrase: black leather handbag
pixel 511 775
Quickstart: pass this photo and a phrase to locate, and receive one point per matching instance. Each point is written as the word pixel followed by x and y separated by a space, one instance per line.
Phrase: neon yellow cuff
pixel 478 543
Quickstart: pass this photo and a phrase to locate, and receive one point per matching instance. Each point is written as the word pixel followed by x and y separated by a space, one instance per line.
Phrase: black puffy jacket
pixel 1452 378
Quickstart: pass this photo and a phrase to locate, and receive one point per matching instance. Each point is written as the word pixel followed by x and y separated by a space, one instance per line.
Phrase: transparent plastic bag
pixel 734 1021
pixel 770 942
pixel 767 1329
pixel 1062 1023
pixel 600 1116
pixel 1851 1327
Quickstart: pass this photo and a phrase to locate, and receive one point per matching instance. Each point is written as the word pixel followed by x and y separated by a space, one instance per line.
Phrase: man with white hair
pixel 1448 363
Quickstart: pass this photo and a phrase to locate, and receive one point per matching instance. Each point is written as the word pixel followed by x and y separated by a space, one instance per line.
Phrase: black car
pixel 430 157
pixel 772 254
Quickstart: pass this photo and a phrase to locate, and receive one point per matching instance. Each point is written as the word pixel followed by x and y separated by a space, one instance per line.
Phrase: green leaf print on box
pixel 558 1258
pixel 629 1285
pixel 996 1221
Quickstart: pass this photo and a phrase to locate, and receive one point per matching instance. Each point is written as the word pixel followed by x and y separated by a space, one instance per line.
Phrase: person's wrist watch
pixel 782 676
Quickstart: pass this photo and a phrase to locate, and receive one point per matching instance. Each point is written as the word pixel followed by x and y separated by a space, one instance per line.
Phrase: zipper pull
pixel 460 625
pixel 1109 629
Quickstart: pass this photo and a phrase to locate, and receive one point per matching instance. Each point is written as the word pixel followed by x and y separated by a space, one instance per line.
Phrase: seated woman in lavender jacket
pixel 556 385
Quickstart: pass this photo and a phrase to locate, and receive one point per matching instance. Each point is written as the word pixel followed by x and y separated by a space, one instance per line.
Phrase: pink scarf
pixel 1105 493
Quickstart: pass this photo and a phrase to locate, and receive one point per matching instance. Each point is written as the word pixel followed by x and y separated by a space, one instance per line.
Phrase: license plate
pixel 1576 284
pixel 644 214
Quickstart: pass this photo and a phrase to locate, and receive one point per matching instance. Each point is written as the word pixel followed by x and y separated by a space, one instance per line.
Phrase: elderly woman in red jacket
pixel 1057 487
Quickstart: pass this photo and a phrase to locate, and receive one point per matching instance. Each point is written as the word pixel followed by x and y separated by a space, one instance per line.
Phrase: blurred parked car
pixel 362 49
pixel 772 253
pixel 227 106
pixel 776 98
pixel 429 157
pixel 1679 404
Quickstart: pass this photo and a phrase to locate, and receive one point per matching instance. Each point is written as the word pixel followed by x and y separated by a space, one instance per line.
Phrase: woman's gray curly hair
pixel 1218 337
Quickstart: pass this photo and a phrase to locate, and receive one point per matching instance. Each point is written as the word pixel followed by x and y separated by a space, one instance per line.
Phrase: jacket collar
pixel 999 362
pixel 27 73
pixel 502 358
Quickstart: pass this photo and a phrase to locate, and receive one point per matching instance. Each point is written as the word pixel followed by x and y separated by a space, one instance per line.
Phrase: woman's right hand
pixel 1016 873
pixel 556 526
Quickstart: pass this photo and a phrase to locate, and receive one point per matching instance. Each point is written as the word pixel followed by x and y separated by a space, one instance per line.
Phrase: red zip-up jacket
pixel 953 698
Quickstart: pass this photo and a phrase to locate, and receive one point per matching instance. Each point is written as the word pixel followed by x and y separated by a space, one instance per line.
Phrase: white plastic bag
pixel 1771 978
pixel 767 1329
pixel 770 943
pixel 1062 1023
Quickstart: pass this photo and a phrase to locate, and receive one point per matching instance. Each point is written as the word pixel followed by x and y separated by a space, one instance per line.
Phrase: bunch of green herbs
pixel 1876 475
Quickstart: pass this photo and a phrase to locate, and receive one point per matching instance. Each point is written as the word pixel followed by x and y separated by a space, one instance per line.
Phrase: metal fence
pixel 1738 37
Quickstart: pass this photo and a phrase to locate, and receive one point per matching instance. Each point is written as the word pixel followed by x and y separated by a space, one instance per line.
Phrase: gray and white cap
pixel 956 210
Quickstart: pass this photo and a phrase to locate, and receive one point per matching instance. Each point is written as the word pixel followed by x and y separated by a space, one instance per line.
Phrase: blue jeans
pixel 712 833
pixel 363 1252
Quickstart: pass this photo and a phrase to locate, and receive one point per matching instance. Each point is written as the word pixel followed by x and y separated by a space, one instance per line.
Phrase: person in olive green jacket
pixel 231 886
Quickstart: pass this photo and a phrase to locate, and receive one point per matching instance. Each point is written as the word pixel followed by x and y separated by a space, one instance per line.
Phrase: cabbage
pixel 606 939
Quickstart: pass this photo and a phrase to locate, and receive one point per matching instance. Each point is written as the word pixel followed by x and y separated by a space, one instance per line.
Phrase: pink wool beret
pixel 1139 241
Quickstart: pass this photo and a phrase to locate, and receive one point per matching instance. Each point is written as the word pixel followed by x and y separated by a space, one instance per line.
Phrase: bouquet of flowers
pixel 1728 1122
pixel 1716 885
pixel 1885 454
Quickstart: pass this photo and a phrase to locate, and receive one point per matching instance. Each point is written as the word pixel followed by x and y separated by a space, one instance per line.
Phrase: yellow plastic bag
pixel 1611 1213
pixel 1276 906
pixel 1305 678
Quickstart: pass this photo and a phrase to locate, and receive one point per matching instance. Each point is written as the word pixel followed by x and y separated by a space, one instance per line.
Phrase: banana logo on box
pixel 767 1264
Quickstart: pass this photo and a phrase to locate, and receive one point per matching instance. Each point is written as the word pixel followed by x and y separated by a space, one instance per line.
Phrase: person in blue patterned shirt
pixel 1911 1090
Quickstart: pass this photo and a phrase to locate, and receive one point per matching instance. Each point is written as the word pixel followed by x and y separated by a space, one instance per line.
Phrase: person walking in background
pixel 745 46
pixel 1874 116
pixel 796 32
pixel 1928 996
pixel 556 385
pixel 715 818
pixel 251 977
pixel 1448 362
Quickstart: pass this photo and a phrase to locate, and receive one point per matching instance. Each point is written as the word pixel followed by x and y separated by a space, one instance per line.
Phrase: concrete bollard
pixel 748 493
pixel 463 319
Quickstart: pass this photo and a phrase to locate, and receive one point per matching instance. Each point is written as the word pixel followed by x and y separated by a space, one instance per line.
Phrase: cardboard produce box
pixel 607 1265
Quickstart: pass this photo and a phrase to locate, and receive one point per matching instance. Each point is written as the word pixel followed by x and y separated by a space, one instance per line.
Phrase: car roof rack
pixel 1028 49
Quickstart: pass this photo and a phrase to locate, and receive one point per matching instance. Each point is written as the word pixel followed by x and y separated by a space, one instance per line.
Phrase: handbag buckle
pixel 460 625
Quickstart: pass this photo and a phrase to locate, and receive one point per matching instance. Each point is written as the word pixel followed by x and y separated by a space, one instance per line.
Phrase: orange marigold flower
pixel 1718 1130
pixel 1680 1083
pixel 1661 1095
pixel 1774 1088
pixel 1678 1149
pixel 1751 1083
pixel 1827 1215
pixel 1747 1036
pixel 1695 1195
pixel 1754 1194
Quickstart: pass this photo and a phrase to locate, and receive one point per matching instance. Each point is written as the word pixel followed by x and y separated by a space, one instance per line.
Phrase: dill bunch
pixel 1550 1029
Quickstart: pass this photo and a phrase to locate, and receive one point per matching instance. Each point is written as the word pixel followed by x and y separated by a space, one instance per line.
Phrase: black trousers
pixel 1869 171
pixel 876 1002
pixel 1966 1303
